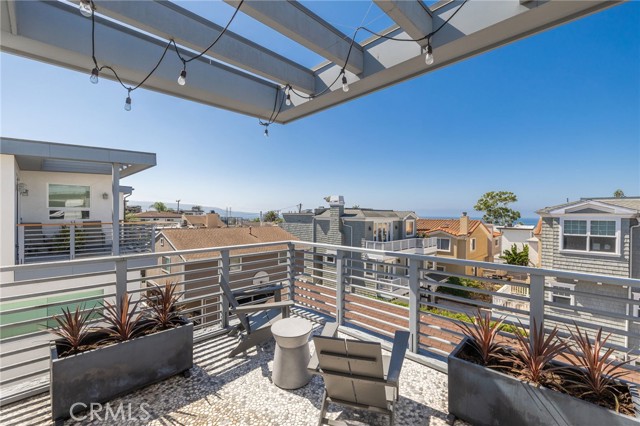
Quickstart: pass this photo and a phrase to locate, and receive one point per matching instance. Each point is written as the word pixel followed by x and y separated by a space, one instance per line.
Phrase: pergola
pixel 243 76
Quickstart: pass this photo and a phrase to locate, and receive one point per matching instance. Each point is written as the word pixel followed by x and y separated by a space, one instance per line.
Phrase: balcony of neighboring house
pixel 417 245
pixel 220 387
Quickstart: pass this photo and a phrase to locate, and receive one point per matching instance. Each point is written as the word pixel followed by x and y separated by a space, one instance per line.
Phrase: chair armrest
pixel 400 343
pixel 263 307
pixel 259 290
pixel 330 329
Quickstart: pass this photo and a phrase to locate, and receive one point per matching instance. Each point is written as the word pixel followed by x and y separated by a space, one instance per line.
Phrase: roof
pixel 154 214
pixel 368 214
pixel 449 226
pixel 538 229
pixel 497 233
pixel 210 220
pixel 632 203
pixel 188 239
pixel 58 157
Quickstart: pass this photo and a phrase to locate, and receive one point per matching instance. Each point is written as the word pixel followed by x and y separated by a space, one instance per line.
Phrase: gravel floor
pixel 223 391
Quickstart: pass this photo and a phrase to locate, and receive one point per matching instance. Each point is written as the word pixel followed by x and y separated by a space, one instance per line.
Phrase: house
pixel 598 236
pixel 461 238
pixel 160 219
pixel 209 220
pixel 247 265
pixel 385 230
pixel 521 236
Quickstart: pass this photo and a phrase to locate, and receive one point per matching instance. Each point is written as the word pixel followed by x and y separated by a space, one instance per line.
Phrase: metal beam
pixel 167 20
pixel 303 26
pixel 412 17
pixel 56 33
pixel 480 27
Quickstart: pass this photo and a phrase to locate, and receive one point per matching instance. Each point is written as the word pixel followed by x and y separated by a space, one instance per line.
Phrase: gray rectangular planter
pixel 102 374
pixel 482 396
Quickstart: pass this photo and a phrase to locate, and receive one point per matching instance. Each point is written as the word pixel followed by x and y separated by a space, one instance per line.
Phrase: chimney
pixel 250 231
pixel 336 210
pixel 464 224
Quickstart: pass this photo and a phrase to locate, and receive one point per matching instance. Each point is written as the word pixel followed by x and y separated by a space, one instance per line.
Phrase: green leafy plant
pixel 482 333
pixel 162 303
pixel 534 353
pixel 515 256
pixel 73 328
pixel 124 321
pixel 597 373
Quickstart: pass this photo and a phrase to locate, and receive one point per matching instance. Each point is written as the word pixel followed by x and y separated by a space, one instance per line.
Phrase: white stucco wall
pixel 8 169
pixel 517 236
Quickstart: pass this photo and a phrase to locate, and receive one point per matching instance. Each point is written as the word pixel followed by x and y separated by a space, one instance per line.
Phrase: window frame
pixel 473 244
pixel 165 267
pixel 549 296
pixel 635 296
pixel 588 235
pixel 75 213
pixel 413 228
pixel 235 264
pixel 283 258
pixel 369 272
pixel 438 239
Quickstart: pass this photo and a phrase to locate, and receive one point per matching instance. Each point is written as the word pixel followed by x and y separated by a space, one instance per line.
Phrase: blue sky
pixel 551 117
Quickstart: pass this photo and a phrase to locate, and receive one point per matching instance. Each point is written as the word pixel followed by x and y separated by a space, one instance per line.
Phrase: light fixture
pixel 428 58
pixel 86 8
pixel 182 80
pixel 94 76
pixel 345 84
pixel 266 132
pixel 288 100
pixel 127 102
pixel 105 196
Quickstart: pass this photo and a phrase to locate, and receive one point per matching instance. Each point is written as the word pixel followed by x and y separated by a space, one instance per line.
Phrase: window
pixel 561 294
pixel 441 268
pixel 444 244
pixel 161 242
pixel 283 257
pixel 472 244
pixel 598 236
pixel 410 228
pixel 496 242
pixel 68 201
pixel 166 264
pixel 369 270
pixel 636 308
pixel 234 264
pixel 382 232
pixel 330 259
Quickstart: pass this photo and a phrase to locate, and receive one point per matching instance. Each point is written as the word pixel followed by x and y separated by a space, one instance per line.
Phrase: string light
pixel 428 58
pixel 288 100
pixel 94 76
pixel 127 102
pixel 345 83
pixel 266 131
pixel 182 80
pixel 86 8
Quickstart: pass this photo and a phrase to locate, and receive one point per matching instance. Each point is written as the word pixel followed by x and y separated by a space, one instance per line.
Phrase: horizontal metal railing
pixel 356 289
pixel 50 242
pixel 405 244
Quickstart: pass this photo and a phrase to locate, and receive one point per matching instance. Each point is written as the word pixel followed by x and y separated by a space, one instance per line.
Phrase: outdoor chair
pixel 255 319
pixel 357 375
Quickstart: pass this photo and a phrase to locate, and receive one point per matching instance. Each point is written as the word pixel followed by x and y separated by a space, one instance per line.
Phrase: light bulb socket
pixel 86 8
pixel 288 100
pixel 266 132
pixel 429 49
pixel 127 104
pixel 94 76
pixel 182 79
pixel 344 79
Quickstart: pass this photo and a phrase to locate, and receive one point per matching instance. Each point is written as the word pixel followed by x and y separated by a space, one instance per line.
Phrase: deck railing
pixel 39 242
pixel 405 244
pixel 345 290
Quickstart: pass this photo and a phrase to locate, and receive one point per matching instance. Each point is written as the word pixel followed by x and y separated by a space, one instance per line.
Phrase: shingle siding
pixel 298 225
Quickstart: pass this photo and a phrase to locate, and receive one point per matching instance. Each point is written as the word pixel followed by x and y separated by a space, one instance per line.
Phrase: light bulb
pixel 345 84
pixel 94 76
pixel 182 80
pixel 127 104
pixel 288 100
pixel 428 58
pixel 266 132
pixel 85 8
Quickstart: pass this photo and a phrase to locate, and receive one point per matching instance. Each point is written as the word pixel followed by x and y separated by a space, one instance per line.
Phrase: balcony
pixel 408 245
pixel 238 390
pixel 67 241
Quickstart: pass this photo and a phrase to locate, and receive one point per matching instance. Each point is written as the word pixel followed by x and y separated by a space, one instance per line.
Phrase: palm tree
pixel 619 193
pixel 515 257
pixel 159 206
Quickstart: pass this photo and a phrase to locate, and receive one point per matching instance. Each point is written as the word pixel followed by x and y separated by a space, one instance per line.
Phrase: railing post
pixel 291 270
pixel 21 243
pixel 536 301
pixel 121 280
pixel 153 239
pixel 72 242
pixel 224 278
pixel 414 305
pixel 340 287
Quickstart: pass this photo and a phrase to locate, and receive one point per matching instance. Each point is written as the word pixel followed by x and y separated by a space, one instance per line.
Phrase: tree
pixel 516 257
pixel 619 193
pixel 494 205
pixel 271 216
pixel 159 206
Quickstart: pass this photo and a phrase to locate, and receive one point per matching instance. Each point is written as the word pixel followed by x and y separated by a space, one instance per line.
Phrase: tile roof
pixel 154 214
pixel 187 239
pixel 449 226
pixel 538 229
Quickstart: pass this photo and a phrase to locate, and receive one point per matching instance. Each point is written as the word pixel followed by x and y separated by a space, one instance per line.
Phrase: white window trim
pixel 388 225
pixel 68 209
pixel 330 259
pixel 283 258
pixel 636 308
pixel 551 286
pixel 413 234
pixel 234 264
pixel 369 273
pixel 473 244
pixel 163 265
pixel 443 238
pixel 617 220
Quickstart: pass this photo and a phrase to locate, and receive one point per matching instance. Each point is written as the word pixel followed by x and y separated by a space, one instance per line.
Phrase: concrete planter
pixel 482 396
pixel 104 373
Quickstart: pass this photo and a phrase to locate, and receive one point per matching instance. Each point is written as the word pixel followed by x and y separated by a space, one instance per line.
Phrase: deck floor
pixel 238 391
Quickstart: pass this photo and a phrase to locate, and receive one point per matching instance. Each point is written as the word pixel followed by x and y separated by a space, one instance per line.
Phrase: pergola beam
pixel 303 26
pixel 53 32
pixel 167 20
pixel 411 16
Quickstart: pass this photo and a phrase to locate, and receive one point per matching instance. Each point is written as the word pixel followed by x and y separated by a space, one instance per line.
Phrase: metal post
pixel 72 242
pixel 291 270
pixel 115 215
pixel 414 305
pixel 340 287
pixel 121 280
pixel 21 243
pixel 153 239
pixel 536 301
pixel 223 273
